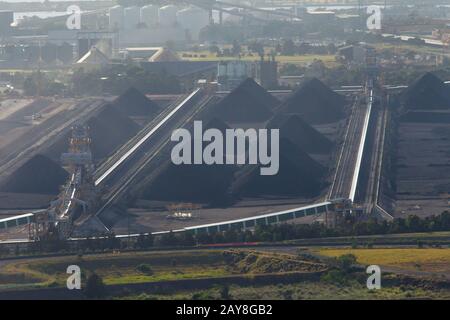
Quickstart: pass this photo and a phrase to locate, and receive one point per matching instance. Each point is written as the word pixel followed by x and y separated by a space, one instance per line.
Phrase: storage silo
pixel 193 19
pixel 116 17
pixel 149 15
pixel 132 16
pixel 168 16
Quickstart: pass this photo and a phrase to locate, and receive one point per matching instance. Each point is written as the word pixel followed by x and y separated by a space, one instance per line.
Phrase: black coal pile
pixel 315 103
pixel 425 117
pixel 134 103
pixel 109 129
pixel 198 183
pixel 248 103
pixel 298 176
pixel 39 175
pixel 427 92
pixel 304 136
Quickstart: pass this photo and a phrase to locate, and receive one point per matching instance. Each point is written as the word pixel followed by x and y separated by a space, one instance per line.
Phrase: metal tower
pixel 77 196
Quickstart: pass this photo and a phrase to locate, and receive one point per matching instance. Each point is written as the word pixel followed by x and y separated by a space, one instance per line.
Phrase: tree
pixel 346 261
pixel 256 47
pixel 145 268
pixel 236 50
pixel 144 241
pixel 288 48
pixel 112 241
pixel 95 288
pixel 38 83
pixel 225 292
pixel 30 86
pixel 214 49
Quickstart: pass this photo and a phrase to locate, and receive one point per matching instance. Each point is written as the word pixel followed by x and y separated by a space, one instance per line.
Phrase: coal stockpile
pixel 109 129
pixel 428 92
pixel 134 103
pixel 192 183
pixel 199 183
pixel 315 103
pixel 39 175
pixel 304 136
pixel 248 103
pixel 425 117
pixel 298 176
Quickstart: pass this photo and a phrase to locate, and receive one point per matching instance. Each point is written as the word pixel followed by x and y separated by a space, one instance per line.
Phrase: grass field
pixel 329 60
pixel 126 268
pixel 428 260
pixel 417 48
pixel 132 267
pixel 302 291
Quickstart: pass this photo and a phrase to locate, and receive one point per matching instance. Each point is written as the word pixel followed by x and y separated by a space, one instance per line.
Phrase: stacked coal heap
pixel 427 92
pixel 109 129
pixel 39 175
pixel 199 183
pixel 304 136
pixel 248 103
pixel 298 176
pixel 134 103
pixel 315 103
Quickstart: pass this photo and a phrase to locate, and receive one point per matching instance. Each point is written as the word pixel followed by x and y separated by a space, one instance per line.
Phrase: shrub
pixel 95 288
pixel 335 277
pixel 346 261
pixel 144 268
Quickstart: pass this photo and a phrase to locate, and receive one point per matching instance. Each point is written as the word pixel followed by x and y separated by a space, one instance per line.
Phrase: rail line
pixel 24 219
pixel 122 184
pixel 362 144
pixel 144 139
pixel 347 168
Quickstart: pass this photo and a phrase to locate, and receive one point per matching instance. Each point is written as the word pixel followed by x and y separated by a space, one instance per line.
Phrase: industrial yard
pixel 159 144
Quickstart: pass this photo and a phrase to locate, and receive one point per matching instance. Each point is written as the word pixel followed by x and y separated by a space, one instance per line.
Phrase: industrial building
pixel 168 23
pixel 268 73
pixel 231 73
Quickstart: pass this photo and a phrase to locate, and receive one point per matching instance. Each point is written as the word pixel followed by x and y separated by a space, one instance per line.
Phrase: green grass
pixel 307 290
pixel 127 268
pixel 412 47
pixel 329 60
pixel 167 275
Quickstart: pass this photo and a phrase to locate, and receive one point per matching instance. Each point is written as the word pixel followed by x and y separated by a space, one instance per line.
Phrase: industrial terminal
pixel 96 96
